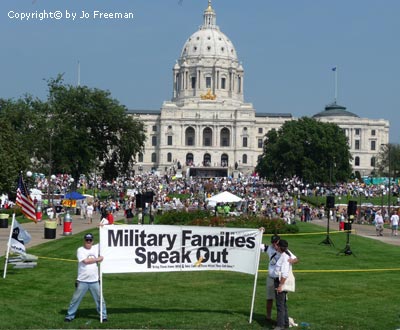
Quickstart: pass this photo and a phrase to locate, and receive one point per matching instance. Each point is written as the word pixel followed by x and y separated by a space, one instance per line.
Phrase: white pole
pixel 8 247
pixel 79 73
pixel 336 72
pixel 101 282
pixel 257 262
pixel 101 295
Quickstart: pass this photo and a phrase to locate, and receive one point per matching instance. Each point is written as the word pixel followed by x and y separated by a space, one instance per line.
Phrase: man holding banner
pixel 88 279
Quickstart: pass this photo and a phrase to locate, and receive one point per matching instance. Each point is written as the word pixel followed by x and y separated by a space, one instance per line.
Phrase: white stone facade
pixel 207 122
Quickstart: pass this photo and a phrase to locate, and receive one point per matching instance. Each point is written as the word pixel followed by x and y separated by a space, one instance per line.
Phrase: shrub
pixel 204 218
pixel 10 211
pixel 181 217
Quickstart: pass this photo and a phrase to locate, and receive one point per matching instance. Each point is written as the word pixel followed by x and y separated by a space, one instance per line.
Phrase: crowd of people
pixel 259 197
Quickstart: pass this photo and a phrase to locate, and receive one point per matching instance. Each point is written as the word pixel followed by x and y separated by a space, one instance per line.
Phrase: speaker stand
pixel 347 250
pixel 327 240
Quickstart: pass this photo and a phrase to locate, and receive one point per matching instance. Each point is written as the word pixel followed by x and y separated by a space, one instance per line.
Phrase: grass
pixel 334 291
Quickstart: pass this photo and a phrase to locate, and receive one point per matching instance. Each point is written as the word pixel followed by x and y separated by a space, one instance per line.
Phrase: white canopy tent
pixel 224 197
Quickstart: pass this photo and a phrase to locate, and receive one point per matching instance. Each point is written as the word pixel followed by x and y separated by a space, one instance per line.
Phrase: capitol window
pixel 190 134
pixel 223 83
pixel 207 137
pixel 357 144
pixel 169 140
pixel 225 137
pixel 373 161
pixel 208 82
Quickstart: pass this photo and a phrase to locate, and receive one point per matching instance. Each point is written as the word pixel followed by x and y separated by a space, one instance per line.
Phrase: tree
pixel 87 127
pixel 389 159
pixel 76 130
pixel 315 151
pixel 13 157
pixel 17 136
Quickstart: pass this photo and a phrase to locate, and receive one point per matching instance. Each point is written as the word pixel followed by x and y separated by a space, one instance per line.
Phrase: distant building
pixel 365 135
pixel 207 122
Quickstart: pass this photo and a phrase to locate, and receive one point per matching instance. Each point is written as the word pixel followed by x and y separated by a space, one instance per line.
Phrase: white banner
pixel 137 248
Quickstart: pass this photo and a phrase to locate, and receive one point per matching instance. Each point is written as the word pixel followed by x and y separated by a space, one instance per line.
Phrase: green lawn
pixel 334 291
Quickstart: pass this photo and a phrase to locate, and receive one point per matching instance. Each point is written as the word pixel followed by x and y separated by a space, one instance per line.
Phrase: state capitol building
pixel 207 123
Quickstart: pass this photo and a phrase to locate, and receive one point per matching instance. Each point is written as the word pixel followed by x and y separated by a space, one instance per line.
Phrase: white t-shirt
pixel 394 220
pixel 87 272
pixel 89 209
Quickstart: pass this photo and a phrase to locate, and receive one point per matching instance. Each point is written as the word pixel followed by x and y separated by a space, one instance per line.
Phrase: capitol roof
pixel 209 41
pixel 335 110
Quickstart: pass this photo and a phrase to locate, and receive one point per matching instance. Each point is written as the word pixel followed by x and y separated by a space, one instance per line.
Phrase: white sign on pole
pixel 137 248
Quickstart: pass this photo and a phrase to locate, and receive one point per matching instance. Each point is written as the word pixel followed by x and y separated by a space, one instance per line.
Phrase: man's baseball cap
pixel 275 238
pixel 88 236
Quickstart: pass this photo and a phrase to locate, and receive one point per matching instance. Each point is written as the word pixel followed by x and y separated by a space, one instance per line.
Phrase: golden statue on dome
pixel 208 96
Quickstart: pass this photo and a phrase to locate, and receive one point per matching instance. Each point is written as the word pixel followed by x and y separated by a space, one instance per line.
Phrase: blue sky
pixel 287 48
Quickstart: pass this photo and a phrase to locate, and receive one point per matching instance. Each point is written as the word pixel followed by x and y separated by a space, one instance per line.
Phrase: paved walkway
pixel 362 230
pixel 36 230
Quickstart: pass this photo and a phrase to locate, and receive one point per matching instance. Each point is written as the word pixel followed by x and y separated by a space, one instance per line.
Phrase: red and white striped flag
pixel 25 201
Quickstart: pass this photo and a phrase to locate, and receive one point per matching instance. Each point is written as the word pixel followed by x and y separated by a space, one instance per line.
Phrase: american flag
pixel 25 201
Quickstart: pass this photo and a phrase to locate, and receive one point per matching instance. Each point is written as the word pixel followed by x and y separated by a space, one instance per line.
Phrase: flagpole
pixel 8 246
pixel 336 71
pixel 257 262
pixel 79 73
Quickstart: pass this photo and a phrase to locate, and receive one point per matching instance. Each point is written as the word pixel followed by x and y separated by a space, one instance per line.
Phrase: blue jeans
pixel 82 288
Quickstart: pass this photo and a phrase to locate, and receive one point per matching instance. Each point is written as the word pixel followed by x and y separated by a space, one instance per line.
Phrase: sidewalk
pixel 36 230
pixel 361 230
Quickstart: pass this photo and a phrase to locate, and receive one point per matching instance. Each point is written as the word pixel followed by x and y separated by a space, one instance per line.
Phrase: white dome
pixel 211 43
pixel 208 67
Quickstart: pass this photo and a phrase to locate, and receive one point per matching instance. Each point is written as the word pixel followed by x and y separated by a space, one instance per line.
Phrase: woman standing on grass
pixel 281 271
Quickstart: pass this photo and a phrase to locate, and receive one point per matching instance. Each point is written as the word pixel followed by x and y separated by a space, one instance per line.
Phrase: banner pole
pixel 8 247
pixel 257 262
pixel 101 295
pixel 101 282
